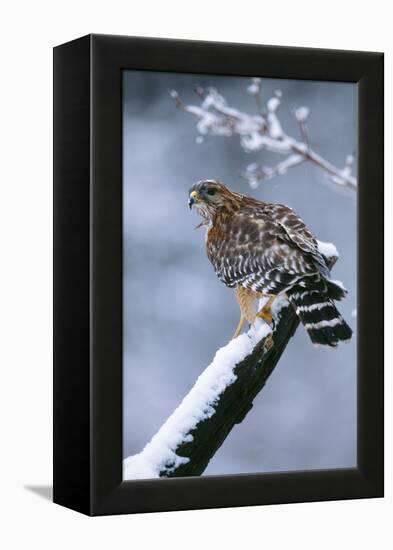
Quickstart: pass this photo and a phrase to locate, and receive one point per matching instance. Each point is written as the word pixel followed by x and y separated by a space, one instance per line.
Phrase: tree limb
pixel 236 401
pixel 262 131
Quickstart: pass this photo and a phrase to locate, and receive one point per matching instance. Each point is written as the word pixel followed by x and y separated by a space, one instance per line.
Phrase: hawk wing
pixel 267 249
pixel 297 233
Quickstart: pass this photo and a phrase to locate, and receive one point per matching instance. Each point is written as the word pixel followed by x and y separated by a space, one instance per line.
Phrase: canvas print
pixel 239 275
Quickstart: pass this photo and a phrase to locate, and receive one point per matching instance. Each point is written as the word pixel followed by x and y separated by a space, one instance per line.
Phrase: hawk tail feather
pixel 319 315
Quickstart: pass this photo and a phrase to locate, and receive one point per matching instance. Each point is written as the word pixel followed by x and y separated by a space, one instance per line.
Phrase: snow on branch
pixel 220 398
pixel 161 456
pixel 262 131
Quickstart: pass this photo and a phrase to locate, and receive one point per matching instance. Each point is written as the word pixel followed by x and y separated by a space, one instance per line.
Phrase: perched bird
pixel 264 249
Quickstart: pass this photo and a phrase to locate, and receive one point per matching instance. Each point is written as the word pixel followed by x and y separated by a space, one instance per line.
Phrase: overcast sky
pixel 177 313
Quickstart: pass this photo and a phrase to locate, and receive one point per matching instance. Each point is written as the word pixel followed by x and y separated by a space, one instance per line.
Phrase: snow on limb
pixel 263 131
pixel 160 453
pixel 328 250
pixel 255 173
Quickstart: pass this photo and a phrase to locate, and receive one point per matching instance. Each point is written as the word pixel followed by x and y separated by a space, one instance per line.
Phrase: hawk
pixel 263 250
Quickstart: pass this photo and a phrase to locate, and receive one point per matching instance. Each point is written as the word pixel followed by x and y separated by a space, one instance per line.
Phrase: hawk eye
pixel 211 192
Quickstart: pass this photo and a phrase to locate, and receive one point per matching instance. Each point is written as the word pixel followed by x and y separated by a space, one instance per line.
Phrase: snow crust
pixel 255 86
pixel 273 104
pixel 302 113
pixel 328 250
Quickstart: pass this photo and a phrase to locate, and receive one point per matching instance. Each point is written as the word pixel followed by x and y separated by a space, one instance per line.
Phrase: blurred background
pixel 177 313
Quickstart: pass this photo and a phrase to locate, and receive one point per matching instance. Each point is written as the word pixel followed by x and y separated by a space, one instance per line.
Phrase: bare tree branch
pixel 301 115
pixel 254 173
pixel 263 131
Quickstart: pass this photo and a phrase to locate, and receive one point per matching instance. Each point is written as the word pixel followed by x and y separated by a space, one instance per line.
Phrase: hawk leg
pixel 245 298
pixel 265 312
pixel 239 326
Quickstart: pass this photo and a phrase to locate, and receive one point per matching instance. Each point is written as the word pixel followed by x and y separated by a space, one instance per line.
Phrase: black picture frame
pixel 88 275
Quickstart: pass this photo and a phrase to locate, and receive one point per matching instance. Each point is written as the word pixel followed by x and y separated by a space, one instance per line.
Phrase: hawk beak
pixel 193 199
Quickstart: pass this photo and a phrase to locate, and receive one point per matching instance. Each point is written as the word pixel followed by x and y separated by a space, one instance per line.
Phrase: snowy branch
pixel 262 131
pixel 220 398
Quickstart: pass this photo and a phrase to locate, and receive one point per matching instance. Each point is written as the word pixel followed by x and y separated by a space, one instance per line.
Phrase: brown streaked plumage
pixel 265 249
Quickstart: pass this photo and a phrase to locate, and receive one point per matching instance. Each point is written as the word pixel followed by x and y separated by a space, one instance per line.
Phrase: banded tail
pixel 316 309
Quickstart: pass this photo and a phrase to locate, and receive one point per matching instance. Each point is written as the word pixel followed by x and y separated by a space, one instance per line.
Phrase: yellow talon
pixel 265 313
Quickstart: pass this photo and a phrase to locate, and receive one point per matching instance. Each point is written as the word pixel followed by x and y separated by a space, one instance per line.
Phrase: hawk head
pixel 210 196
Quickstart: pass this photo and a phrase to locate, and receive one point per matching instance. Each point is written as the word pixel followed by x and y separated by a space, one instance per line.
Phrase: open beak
pixel 193 199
